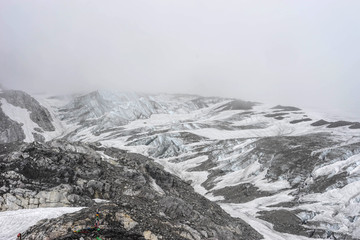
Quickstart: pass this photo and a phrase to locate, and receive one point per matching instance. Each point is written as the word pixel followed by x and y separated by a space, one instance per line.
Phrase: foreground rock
pixel 143 201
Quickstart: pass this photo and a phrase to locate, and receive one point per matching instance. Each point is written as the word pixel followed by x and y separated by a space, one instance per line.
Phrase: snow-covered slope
pixel 14 222
pixel 22 118
pixel 291 174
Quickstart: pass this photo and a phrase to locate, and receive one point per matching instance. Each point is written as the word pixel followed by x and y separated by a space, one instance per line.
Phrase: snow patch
pixel 98 200
pixel 156 187
pixel 14 222
pixel 334 208
pixel 251 174
pixel 180 170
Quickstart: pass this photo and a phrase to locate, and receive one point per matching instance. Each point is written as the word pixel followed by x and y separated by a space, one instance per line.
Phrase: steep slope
pixel 106 111
pixel 22 118
pixel 141 198
pixel 258 162
pixel 289 173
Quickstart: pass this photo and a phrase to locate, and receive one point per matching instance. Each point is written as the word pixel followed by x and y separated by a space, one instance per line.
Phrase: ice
pixel 250 174
pixel 339 166
pixel 14 222
pixel 51 104
pixel 335 206
pixel 166 116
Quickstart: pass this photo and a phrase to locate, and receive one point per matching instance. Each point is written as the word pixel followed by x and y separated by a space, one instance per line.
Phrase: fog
pixel 302 53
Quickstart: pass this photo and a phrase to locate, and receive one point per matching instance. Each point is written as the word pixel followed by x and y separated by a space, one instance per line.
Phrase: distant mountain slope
pixel 23 118
pixel 141 198
pixel 266 164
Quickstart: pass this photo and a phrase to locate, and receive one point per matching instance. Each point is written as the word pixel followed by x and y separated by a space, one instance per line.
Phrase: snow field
pixel 22 116
pixel 14 222
pixel 346 200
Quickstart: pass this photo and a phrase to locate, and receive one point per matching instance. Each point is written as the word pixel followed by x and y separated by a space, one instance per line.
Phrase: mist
pixel 302 53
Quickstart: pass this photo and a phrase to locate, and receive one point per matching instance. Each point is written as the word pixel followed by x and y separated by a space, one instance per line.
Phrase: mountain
pixel 289 173
pixel 22 118
pixel 141 198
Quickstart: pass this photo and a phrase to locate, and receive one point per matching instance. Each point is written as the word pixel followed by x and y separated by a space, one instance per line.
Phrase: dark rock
pixel 339 124
pixel 285 221
pixel 319 123
pixel 300 120
pixel 236 105
pixel 274 115
pixel 38 137
pixel 240 193
pixel 286 108
pixel 10 131
pixel 355 126
pixel 59 173
pixel 38 113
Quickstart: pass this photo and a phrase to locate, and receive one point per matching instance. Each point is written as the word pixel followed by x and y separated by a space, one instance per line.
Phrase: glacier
pixel 255 160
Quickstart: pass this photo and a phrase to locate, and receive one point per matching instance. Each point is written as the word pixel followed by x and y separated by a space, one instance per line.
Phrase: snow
pixel 176 116
pixel 21 116
pixel 98 200
pixel 251 173
pixel 156 187
pixel 351 165
pixel 51 104
pixel 180 170
pixel 161 119
pixel 334 206
pixel 263 227
pixel 14 222
pixel 247 212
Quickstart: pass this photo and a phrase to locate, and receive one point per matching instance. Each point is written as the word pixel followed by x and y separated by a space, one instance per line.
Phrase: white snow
pixel 263 227
pixel 14 222
pixel 250 174
pixel 180 170
pixel 22 116
pixel 51 104
pixel 334 206
pixel 350 165
pixel 156 187
pixel 98 200
pixel 248 212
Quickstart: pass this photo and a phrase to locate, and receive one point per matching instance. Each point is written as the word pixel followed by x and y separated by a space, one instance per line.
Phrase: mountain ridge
pixel 258 162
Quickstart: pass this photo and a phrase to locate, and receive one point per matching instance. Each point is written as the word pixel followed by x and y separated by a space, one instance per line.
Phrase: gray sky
pixel 303 53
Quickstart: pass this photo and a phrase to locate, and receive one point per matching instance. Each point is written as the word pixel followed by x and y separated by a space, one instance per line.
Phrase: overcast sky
pixel 303 53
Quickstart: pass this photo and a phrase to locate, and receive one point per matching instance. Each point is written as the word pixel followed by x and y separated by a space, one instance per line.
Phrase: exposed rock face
pixel 286 108
pixel 104 110
pixel 145 202
pixel 10 131
pixel 237 105
pixel 38 113
pixel 299 160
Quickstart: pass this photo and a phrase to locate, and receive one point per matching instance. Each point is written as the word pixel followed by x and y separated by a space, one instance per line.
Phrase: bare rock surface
pixel 143 201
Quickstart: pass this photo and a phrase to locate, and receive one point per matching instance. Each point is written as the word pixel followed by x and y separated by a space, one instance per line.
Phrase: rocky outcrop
pixel 13 130
pixel 286 108
pixel 144 201
pixel 38 114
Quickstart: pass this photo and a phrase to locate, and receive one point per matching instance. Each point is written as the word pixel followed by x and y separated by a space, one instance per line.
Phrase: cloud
pixel 301 53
